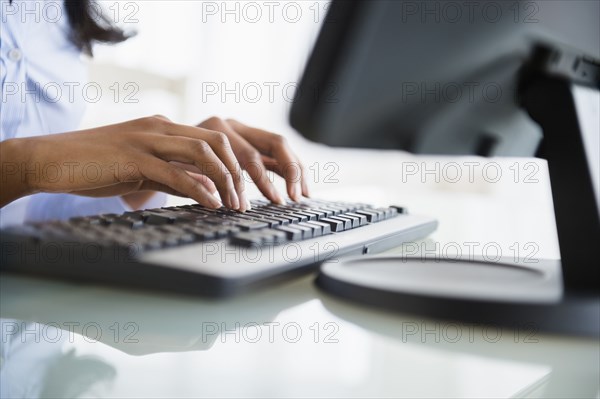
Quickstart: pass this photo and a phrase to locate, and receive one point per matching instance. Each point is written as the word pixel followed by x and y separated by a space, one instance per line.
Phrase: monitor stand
pixel 557 296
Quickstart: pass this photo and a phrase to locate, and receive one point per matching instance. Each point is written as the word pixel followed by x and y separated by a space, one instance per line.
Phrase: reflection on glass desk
pixel 65 340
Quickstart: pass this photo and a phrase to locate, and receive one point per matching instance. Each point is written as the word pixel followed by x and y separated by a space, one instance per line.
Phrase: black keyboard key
pixel 137 215
pixel 334 211
pixel 188 217
pixel 380 213
pixel 342 207
pixel 86 220
pixel 324 213
pixel 372 216
pixel 259 203
pixel 218 221
pixel 155 219
pixel 301 217
pixel 347 222
pixel 386 213
pixel 271 221
pixel 203 233
pixel 259 213
pixel 287 216
pixel 320 228
pixel 282 220
pixel 361 218
pixel 307 232
pixel 131 223
pixel 335 224
pixel 391 212
pixel 325 227
pixel 355 220
pixel 400 209
pixel 292 233
pixel 241 216
pixel 201 211
pixel 247 225
pixel 148 243
pixel 106 220
pixel 186 238
pixel 307 215
pixel 273 237
pixel 316 215
pixel 218 231
pixel 247 239
pixel 315 230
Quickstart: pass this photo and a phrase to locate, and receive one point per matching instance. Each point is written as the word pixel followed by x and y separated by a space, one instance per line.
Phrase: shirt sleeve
pixel 42 207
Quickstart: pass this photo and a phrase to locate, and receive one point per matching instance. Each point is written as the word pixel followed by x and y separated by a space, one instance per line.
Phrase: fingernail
pixel 293 192
pixel 234 201
pixel 297 192
pixel 214 201
pixel 244 203
pixel 278 198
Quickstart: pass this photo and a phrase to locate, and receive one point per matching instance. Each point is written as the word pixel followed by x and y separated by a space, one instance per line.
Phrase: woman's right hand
pixel 146 154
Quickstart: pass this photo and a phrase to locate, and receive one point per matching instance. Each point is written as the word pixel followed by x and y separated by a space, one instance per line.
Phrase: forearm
pixel 14 158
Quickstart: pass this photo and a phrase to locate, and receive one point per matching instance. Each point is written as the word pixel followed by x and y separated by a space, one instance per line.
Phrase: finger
pixel 274 166
pixel 219 143
pixel 220 136
pixel 177 179
pixel 205 181
pixel 193 171
pixel 250 160
pixel 200 154
pixel 276 147
pixel 258 173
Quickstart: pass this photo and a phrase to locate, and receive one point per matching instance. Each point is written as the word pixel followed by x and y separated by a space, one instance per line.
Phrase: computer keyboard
pixel 222 250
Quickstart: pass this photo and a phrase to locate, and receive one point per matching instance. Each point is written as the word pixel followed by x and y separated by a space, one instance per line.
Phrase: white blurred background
pixel 239 58
pixel 194 59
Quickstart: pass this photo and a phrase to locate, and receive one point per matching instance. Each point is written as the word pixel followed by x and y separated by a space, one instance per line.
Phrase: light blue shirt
pixel 43 79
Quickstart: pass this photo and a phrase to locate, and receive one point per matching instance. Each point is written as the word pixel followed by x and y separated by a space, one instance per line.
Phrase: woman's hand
pixel 146 154
pixel 258 151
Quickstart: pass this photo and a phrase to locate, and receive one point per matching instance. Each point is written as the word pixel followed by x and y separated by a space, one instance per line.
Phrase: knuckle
pixel 253 157
pixel 227 175
pixel 220 138
pixel 162 117
pixel 200 146
pixel 278 140
pixel 293 171
pixel 156 122
pixel 214 121
pixel 173 173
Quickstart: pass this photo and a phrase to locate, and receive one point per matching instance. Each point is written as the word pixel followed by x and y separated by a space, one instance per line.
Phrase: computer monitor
pixel 489 78
pixel 437 77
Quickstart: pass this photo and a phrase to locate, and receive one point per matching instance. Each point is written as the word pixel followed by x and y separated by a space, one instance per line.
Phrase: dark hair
pixel 89 25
